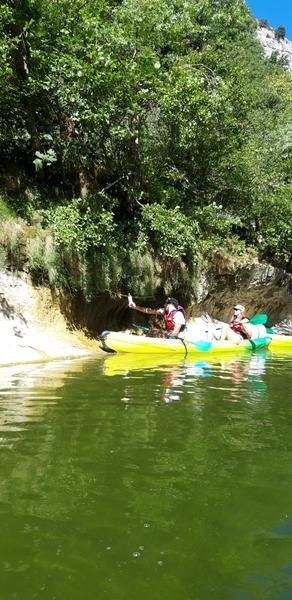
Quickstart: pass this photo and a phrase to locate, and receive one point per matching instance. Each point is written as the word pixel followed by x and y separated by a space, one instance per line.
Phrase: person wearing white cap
pixel 238 328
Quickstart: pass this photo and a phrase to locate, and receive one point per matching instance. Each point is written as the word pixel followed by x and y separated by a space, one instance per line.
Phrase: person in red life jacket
pixel 173 315
pixel 238 328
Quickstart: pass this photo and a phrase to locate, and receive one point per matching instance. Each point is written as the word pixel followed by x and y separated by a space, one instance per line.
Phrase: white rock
pixel 270 44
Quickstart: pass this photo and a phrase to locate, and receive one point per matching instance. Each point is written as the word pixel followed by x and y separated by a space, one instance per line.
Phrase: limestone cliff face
pixel 283 48
pixel 261 289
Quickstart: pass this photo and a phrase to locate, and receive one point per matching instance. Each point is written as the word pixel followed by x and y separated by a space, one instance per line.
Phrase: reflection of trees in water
pixel 26 391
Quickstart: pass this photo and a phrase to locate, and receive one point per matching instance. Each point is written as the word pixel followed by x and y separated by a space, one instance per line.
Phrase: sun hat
pixel 239 307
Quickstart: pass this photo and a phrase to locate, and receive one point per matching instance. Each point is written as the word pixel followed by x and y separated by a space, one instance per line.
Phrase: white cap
pixel 240 307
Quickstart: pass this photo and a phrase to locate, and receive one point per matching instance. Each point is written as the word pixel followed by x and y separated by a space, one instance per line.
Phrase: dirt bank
pixel 32 326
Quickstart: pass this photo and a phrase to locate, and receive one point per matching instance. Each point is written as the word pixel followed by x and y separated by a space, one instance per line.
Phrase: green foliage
pixel 277 59
pixel 6 212
pixel 213 219
pixel 75 225
pixel 280 33
pixel 170 230
pixel 264 23
pixel 44 158
pixel 145 129
pixel 11 243
pixel 42 259
pixel 141 273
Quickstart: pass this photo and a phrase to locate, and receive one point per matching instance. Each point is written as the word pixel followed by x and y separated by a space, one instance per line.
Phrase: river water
pixel 124 478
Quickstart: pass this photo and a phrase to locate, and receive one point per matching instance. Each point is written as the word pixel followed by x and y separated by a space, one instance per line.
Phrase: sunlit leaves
pixel 159 104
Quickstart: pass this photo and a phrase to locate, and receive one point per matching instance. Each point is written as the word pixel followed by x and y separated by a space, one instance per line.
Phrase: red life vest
pixel 168 318
pixel 236 323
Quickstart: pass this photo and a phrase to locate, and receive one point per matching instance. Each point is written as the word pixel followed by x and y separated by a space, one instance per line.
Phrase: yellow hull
pixel 283 342
pixel 126 342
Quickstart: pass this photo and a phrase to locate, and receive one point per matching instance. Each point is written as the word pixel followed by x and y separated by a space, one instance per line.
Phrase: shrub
pixel 11 241
pixel 280 33
pixel 3 258
pixel 264 23
pixel 76 225
pixel 6 212
pixel 171 231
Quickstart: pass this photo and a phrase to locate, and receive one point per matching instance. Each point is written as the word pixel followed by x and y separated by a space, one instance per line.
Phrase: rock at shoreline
pixel 31 328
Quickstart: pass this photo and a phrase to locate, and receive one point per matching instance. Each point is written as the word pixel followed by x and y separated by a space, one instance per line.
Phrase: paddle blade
pixel 260 319
pixel 140 327
pixel 202 345
pixel 259 342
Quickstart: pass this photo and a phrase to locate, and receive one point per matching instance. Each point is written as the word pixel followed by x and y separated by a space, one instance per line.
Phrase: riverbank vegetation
pixel 139 141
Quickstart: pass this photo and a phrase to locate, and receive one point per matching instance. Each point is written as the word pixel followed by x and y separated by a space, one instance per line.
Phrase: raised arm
pixel 147 311
pixel 142 309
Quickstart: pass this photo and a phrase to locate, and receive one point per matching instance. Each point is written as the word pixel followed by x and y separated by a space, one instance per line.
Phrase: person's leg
pixel 217 332
pixel 224 333
pixel 230 335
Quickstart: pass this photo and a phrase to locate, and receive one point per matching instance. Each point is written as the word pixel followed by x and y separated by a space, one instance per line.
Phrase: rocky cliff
pixel 281 49
pixel 32 326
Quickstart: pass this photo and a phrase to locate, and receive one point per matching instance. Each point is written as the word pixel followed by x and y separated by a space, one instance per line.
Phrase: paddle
pixel 259 342
pixel 202 345
pixel 140 327
pixel 260 319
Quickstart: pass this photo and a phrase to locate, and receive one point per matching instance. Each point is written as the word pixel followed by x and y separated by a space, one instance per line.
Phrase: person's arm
pixel 142 309
pixel 246 329
pixel 147 311
pixel 179 321
pixel 176 330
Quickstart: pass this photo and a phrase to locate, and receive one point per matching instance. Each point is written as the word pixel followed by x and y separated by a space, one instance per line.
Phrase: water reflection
pixel 132 477
pixel 26 392
pixel 284 529
pixel 230 375
pixel 275 586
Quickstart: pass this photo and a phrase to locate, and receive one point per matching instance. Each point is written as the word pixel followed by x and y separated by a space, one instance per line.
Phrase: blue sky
pixel 277 12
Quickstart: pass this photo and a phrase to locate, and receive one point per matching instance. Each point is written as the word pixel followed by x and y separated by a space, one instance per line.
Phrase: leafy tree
pixel 145 124
pixel 280 60
pixel 280 33
pixel 264 23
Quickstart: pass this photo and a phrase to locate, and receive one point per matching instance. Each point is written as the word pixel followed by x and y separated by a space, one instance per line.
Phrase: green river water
pixel 124 479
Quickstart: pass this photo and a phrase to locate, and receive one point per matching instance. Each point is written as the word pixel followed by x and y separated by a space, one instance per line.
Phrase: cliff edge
pixel 32 327
pixel 280 47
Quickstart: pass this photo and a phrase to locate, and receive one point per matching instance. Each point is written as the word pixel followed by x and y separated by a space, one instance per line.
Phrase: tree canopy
pixel 144 129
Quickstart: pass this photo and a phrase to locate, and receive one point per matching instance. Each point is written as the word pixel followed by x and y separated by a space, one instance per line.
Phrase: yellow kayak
pixel 126 342
pixel 283 342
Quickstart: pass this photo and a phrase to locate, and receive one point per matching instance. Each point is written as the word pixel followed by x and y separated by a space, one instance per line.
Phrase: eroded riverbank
pixel 32 326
